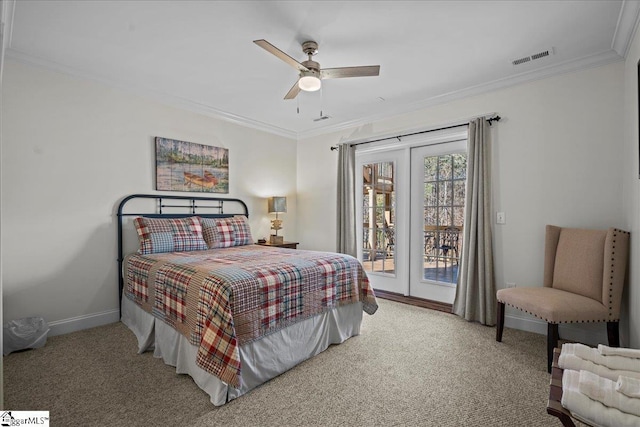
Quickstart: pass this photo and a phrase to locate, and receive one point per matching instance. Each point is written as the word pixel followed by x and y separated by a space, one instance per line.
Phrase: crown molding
pixel 583 63
pixel 163 98
pixel 624 33
pixel 595 60
pixel 626 27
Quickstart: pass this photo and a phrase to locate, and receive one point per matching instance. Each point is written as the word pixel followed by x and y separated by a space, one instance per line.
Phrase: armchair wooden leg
pixel 613 334
pixel 500 321
pixel 552 342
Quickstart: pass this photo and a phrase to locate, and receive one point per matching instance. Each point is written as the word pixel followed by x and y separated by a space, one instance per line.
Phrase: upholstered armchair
pixel 584 273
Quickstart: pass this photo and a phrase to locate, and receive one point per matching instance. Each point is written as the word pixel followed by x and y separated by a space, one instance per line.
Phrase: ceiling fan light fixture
pixel 310 75
pixel 309 82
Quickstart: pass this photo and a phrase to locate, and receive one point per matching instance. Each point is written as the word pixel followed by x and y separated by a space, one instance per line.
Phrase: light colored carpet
pixel 409 366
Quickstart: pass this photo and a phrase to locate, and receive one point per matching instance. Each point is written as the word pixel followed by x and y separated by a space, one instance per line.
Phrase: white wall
pixel 631 184
pixel 72 149
pixel 557 156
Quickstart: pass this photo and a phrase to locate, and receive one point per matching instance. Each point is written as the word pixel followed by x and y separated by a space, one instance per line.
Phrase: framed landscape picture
pixel 186 166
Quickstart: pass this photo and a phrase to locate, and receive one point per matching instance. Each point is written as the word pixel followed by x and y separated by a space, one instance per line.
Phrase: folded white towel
pixel 619 351
pixel 590 411
pixel 571 361
pixel 628 386
pixel 604 390
pixel 592 354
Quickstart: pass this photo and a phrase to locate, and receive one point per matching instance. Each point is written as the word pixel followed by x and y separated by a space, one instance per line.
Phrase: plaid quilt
pixel 223 298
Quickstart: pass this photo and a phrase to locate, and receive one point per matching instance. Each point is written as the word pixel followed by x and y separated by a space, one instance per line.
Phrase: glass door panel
pixel 380 229
pixel 443 216
pixel 438 175
pixel 378 207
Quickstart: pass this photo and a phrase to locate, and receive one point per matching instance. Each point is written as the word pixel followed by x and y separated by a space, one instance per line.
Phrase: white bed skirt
pixel 261 360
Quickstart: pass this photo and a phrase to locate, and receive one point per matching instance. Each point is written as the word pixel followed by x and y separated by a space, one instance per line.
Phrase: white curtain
pixel 476 292
pixel 346 238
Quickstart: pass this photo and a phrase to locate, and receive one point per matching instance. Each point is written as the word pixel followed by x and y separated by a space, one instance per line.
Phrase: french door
pixel 382 218
pixel 438 175
pixel 410 212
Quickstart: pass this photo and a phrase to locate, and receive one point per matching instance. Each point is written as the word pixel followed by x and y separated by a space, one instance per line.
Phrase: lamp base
pixel 276 240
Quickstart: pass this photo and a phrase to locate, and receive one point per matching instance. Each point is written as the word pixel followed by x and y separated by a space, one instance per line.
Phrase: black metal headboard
pixel 169 206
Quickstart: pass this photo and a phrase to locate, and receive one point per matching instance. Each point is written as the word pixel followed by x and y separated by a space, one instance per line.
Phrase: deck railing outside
pixel 441 256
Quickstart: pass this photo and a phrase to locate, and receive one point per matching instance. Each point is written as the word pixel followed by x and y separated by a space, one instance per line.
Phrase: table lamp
pixel 277 205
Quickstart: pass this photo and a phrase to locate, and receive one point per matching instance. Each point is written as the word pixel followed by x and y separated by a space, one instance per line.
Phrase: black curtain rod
pixel 491 120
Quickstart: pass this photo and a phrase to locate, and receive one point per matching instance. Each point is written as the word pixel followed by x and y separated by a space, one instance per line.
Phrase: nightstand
pixel 290 245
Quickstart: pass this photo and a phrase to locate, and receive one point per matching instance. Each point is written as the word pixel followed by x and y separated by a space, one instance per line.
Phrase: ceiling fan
pixel 310 72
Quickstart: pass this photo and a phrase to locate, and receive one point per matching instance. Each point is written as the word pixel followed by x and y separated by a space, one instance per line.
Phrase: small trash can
pixel 30 332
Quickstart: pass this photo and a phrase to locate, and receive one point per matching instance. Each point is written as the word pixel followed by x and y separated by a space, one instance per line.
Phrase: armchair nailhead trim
pixel 548 321
pixel 613 246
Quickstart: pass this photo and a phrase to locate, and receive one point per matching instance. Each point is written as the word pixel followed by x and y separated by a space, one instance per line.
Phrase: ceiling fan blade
pixel 293 92
pixel 280 54
pixel 338 73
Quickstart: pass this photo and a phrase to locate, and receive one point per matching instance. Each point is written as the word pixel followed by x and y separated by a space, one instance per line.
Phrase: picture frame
pixel 190 167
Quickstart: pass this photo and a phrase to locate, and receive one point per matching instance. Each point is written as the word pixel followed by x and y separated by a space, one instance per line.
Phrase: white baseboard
pixel 525 324
pixel 587 333
pixel 73 324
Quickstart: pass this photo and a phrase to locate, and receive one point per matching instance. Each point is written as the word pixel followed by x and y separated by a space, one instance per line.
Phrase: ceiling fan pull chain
pixel 321 100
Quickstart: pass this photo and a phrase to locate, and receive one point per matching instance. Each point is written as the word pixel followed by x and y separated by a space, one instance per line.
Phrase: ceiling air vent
pixel 540 55
pixel 521 60
pixel 533 57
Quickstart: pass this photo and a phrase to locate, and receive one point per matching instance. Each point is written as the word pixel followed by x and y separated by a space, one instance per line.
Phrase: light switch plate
pixel 501 218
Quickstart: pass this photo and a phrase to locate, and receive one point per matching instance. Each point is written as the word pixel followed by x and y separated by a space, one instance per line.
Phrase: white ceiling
pixel 199 55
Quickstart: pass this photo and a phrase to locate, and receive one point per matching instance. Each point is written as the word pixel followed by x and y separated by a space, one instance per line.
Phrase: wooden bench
pixel 554 404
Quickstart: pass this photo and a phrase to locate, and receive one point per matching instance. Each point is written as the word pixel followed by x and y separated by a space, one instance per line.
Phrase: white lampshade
pixel 309 83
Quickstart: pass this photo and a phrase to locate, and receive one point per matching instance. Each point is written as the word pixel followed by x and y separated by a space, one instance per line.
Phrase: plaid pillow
pixel 241 230
pixel 226 232
pixel 158 235
pixel 209 231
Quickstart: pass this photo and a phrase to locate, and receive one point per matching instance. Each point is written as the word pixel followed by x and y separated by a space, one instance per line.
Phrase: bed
pixel 196 290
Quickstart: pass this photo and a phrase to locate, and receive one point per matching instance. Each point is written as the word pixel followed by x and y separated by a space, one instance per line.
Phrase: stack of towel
pixel 601 386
